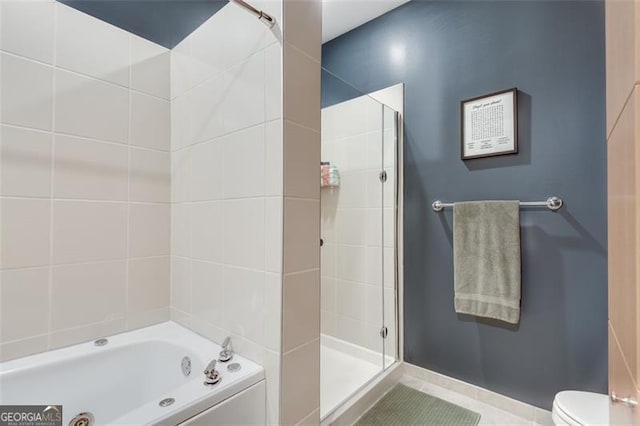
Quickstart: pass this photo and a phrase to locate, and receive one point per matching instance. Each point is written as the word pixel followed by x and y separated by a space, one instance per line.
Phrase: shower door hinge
pixel 384 332
pixel 383 176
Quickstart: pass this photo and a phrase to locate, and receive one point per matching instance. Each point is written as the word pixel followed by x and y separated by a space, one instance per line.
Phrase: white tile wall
pixel 273 314
pixel 26 28
pixel 23 315
pixel 182 171
pixel 273 180
pixel 85 231
pixel 149 225
pixel 354 222
pixel 25 232
pixel 104 54
pixel 246 178
pixel 180 289
pixel 273 234
pixel 75 303
pixel 209 297
pixel 27 92
pixel 89 107
pixel 149 175
pixel 146 59
pixel 148 284
pixel 215 58
pixel 226 187
pixel 206 105
pixel 205 169
pixel 182 65
pixel 26 162
pixel 147 109
pixel 207 231
pixel 108 141
pixel 90 170
pixel 273 78
pixel 244 86
pixel 243 234
pixel 84 166
pixel 181 122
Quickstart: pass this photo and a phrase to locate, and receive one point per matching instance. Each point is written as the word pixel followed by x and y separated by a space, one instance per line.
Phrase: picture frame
pixel 489 125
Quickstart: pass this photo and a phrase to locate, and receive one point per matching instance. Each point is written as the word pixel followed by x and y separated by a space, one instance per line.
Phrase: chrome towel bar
pixel 552 203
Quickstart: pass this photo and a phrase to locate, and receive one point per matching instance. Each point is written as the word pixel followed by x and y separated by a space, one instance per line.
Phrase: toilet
pixel 574 408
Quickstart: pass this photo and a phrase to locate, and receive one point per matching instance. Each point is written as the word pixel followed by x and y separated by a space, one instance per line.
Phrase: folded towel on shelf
pixel 486 259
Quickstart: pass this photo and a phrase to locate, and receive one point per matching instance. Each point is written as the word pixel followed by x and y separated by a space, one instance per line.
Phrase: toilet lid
pixel 586 408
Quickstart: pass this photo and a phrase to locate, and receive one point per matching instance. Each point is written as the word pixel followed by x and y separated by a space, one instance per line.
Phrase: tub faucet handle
pixel 211 368
pixel 212 376
pixel 227 350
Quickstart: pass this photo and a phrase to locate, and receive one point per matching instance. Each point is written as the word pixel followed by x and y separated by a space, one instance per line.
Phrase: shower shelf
pixel 329 175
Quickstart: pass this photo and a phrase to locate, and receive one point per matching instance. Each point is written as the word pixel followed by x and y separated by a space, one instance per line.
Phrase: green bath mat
pixel 403 405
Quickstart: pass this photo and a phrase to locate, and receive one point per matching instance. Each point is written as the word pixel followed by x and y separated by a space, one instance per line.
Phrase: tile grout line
pixel 265 289
pixel 89 262
pixel 219 74
pixel 56 67
pixel 98 200
pixel 302 345
pixel 52 177
pixel 128 208
pixel 226 134
pixel 189 161
pixel 86 138
pixel 171 209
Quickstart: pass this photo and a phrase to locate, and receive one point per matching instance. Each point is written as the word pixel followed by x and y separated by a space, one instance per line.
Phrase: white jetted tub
pixel 124 381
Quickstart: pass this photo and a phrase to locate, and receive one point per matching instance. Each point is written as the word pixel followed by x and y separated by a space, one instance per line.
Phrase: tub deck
pixel 123 381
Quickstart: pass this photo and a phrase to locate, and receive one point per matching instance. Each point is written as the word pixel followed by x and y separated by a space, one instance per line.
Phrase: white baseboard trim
pixel 513 406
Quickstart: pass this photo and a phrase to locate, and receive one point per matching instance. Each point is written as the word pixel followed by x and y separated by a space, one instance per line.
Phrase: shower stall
pixel 359 222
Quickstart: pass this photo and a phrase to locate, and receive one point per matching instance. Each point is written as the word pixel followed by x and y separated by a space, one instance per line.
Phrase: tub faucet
pixel 212 376
pixel 227 350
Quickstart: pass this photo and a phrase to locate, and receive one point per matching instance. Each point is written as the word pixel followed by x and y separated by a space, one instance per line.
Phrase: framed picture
pixel 490 125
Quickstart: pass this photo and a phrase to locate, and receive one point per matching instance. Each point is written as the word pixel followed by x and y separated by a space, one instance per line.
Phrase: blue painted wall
pixel 165 22
pixel 554 53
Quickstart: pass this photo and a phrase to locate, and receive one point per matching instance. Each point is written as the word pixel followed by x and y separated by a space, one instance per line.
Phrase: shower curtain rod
pixel 263 17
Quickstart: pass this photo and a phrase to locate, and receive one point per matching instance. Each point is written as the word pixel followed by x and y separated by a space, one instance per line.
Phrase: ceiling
pixel 341 16
pixel 167 22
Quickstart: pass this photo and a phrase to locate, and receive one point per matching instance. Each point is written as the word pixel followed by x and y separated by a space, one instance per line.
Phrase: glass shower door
pixel 389 180
pixel 382 262
pixel 358 326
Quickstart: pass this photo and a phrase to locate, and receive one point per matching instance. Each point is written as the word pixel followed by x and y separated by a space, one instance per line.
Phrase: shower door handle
pixel 384 332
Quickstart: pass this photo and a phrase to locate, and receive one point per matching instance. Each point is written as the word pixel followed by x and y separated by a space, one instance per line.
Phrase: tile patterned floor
pixel 490 416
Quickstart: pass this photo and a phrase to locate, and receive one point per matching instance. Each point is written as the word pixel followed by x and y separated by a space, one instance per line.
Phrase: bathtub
pixel 123 381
